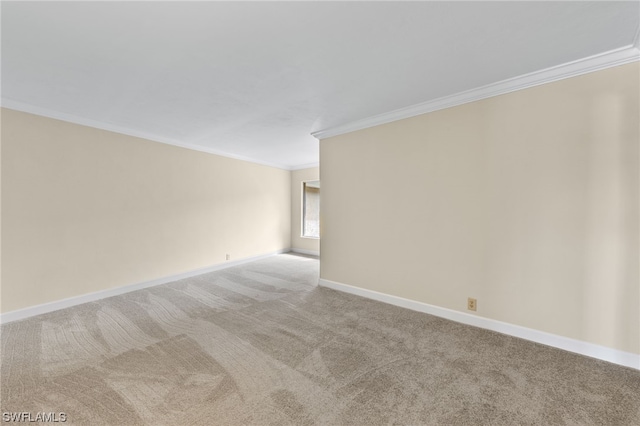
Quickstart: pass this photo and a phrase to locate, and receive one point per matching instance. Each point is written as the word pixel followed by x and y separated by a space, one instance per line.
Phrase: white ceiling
pixel 253 80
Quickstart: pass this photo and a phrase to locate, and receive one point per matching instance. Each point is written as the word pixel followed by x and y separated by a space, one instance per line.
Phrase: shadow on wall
pixel 612 257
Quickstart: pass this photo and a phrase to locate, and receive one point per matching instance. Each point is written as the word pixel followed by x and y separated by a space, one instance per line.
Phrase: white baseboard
pixel 103 294
pixel 604 353
pixel 303 251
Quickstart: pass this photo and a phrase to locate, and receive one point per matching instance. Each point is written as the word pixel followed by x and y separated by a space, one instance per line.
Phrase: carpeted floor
pixel 260 344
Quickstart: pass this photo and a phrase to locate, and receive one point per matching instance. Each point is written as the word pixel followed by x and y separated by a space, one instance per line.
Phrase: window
pixel 311 209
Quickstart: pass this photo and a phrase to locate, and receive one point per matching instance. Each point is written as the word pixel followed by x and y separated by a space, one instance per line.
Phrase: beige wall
pixel 86 210
pixel 528 202
pixel 297 241
pixel 0 212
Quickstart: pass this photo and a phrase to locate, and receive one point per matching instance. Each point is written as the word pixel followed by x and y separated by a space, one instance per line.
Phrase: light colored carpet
pixel 261 344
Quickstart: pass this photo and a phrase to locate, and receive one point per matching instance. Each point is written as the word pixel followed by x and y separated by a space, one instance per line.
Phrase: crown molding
pixel 305 166
pixel 71 118
pixel 612 58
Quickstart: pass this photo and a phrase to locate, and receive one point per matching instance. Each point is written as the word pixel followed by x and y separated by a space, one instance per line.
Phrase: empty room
pixel 319 212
